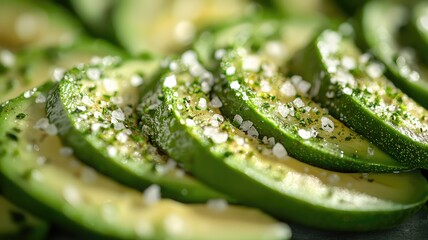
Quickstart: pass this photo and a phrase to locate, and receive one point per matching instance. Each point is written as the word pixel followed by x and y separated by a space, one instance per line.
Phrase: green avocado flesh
pixel 38 173
pixel 26 24
pixel 280 107
pixel 29 69
pixel 184 121
pixel 93 108
pixel 380 25
pixel 354 89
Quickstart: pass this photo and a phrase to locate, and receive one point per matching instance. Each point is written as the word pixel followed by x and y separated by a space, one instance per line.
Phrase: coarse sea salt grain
pixel 298 102
pixel 252 131
pixel 152 195
pixel 327 124
pixel 251 63
pixel 305 134
pixel 216 120
pixel 216 102
pixel 288 89
pixel 235 85
pixel 283 110
pixel 279 151
pixel 245 125
pixel 170 81
pixel 218 205
pixel 238 119
pixel 41 98
pixel 230 70
pixel 202 103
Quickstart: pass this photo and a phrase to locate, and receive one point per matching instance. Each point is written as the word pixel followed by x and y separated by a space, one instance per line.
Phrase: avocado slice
pixel 39 174
pixel 167 26
pixel 94 105
pixel 18 224
pixel 380 28
pixel 352 86
pixel 29 24
pixel 183 120
pixel 280 107
pixel 31 68
pixel 418 29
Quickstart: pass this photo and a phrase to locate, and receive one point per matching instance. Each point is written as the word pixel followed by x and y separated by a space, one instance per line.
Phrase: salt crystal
pixel 216 103
pixel 41 98
pixel 304 134
pixel 238 119
pixel 202 103
pixel 251 63
pixel 298 102
pixel 283 110
pixel 230 70
pixel 287 89
pixel 72 195
pixel 253 132
pixel 152 195
pixel 218 205
pixel 136 80
pixel 235 85
pixel 93 73
pixel 190 122
pixel 279 151
pixel 66 151
pixel 118 114
pixel 327 124
pixel 216 120
pixel 245 125
pixel 170 81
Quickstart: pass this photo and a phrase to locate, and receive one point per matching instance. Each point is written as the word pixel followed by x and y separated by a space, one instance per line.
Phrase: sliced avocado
pixel 353 88
pixel 166 26
pixel 418 26
pixel 278 37
pixel 253 89
pixel 26 24
pixel 18 224
pixel 32 68
pixel 93 106
pixel 380 24
pixel 39 174
pixel 186 123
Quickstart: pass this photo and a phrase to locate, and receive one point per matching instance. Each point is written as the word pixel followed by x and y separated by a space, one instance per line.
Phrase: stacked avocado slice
pixel 211 120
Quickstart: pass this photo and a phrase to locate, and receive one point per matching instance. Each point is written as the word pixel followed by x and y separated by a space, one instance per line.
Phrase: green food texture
pixel 213 119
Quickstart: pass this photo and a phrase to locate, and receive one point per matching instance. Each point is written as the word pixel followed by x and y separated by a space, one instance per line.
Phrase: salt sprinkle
pixel 216 103
pixel 66 151
pixel 304 134
pixel 238 119
pixel 251 63
pixel 170 81
pixel 136 80
pixel 202 103
pixel 235 85
pixel 152 194
pixel 245 125
pixel 41 98
pixel 93 74
pixel 230 70
pixel 218 205
pixel 279 150
pixel 216 120
pixel 327 124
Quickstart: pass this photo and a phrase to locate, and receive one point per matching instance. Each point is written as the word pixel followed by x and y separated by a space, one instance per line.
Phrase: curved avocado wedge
pixel 93 108
pixel 25 24
pixel 31 68
pixel 418 26
pixel 18 224
pixel 185 122
pixel 353 88
pixel 278 37
pixel 168 26
pixel 254 90
pixel 380 24
pixel 39 174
